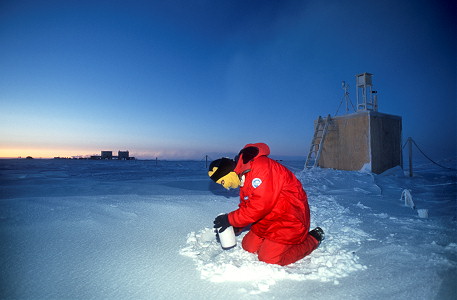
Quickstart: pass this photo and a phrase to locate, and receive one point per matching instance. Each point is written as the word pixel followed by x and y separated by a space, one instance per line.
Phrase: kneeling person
pixel 272 201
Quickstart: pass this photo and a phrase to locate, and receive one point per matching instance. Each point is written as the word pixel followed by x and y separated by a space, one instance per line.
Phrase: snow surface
pixel 79 229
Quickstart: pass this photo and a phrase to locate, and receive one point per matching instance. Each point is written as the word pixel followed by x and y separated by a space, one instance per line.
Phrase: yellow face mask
pixel 229 181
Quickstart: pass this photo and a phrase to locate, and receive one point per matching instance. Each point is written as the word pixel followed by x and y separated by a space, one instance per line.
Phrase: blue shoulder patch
pixel 256 182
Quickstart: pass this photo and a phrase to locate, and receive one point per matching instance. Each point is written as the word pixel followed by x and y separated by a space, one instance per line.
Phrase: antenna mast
pixel 345 98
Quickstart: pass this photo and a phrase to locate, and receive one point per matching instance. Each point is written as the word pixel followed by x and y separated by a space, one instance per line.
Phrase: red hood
pixel 249 153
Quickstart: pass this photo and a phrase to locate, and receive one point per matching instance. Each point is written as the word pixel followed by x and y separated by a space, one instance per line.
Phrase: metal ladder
pixel 320 130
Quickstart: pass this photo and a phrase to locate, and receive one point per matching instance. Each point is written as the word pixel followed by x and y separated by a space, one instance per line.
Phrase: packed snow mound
pixel 335 258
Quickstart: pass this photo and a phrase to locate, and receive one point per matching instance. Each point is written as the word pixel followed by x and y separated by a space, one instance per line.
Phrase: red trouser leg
pixel 276 253
pixel 252 242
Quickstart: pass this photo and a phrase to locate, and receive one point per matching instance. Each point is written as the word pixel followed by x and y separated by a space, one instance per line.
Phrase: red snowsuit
pixel 272 199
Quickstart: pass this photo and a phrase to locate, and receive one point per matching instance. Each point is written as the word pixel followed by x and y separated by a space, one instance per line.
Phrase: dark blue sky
pixel 182 79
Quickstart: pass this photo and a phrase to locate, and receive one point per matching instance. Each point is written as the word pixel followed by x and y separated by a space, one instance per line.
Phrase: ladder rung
pixel 322 126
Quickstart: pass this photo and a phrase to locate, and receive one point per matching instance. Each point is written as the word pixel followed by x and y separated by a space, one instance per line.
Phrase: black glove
pixel 238 230
pixel 221 222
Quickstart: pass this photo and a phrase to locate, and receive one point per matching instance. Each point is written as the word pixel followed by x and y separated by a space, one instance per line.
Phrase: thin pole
pixel 410 150
pixel 206 161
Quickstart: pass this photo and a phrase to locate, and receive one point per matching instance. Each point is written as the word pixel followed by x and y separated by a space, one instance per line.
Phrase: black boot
pixel 318 234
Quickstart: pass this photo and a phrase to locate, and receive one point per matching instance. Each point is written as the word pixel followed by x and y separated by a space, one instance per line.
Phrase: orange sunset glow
pixel 43 152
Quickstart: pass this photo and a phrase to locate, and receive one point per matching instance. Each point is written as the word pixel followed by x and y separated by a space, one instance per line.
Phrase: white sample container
pixel 227 238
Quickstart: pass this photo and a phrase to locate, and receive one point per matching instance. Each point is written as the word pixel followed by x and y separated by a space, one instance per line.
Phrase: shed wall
pixel 346 145
pixel 385 142
pixel 362 138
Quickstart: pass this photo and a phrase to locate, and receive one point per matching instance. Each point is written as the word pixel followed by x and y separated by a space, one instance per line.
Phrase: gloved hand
pixel 221 222
pixel 238 230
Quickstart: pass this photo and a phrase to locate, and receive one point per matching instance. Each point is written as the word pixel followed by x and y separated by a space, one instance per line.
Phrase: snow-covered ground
pixel 143 230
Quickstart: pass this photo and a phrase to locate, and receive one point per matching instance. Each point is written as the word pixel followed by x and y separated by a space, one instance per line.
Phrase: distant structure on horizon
pixel 108 155
pixel 365 139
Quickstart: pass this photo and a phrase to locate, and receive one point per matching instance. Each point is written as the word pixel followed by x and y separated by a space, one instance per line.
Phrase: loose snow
pixel 77 229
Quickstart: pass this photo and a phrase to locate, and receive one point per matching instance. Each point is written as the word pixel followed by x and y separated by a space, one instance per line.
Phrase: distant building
pixel 107 155
pixel 123 155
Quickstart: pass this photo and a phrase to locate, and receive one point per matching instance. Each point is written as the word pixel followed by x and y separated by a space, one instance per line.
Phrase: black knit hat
pixel 223 165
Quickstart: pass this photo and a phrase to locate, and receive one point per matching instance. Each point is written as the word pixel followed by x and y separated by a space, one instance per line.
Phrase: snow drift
pixel 142 230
